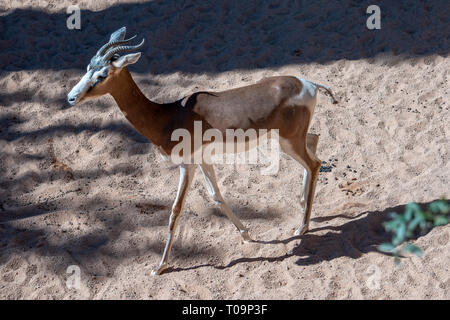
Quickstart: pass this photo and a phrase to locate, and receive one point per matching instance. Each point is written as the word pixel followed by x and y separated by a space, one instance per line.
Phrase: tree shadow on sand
pixel 101 249
pixel 355 236
pixel 208 36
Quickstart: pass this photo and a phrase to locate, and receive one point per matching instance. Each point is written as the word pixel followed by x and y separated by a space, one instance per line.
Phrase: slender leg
pixel 300 152
pixel 213 189
pixel 186 175
pixel 311 143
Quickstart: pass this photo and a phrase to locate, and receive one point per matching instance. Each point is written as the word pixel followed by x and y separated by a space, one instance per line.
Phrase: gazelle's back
pixel 244 106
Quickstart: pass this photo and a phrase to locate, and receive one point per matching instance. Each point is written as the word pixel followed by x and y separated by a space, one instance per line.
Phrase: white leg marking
pixel 213 189
pixel 186 175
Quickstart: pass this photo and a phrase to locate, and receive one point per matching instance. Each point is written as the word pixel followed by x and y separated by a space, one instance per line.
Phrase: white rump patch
pixel 308 95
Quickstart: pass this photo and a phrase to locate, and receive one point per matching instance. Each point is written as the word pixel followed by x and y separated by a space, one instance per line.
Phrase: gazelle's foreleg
pixel 311 143
pixel 213 189
pixel 186 175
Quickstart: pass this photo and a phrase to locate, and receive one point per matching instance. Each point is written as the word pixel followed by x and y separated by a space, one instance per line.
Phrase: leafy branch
pixel 411 224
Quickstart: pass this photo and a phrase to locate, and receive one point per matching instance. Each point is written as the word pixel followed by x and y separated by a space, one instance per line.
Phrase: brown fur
pixel 247 107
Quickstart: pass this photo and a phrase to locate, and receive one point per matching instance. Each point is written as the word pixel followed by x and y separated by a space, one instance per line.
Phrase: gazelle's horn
pixel 108 45
pixel 115 50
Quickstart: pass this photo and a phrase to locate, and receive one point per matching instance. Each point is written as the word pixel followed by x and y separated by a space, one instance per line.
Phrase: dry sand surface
pixel 80 187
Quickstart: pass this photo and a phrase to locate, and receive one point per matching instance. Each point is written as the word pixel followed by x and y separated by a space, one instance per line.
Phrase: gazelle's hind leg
pixel 311 142
pixel 186 174
pixel 213 189
pixel 297 149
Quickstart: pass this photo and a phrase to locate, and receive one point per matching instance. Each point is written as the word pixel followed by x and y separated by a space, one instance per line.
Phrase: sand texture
pixel 79 186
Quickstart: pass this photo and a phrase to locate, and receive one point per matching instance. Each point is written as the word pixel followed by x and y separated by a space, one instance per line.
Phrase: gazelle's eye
pixel 99 79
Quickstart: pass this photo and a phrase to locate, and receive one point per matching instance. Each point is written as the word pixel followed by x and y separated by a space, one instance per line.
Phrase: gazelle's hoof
pixel 160 269
pixel 301 231
pixel 245 236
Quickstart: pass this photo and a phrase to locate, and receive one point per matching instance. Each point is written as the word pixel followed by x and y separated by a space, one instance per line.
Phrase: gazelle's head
pixel 104 67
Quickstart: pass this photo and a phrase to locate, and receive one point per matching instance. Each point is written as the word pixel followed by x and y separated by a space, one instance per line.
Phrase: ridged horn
pixel 108 45
pixel 113 51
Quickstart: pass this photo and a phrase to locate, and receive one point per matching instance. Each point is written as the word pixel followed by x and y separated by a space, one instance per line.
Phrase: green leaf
pixel 439 206
pixel 423 224
pixel 413 249
pixel 386 247
pixel 440 220
pixel 411 208
pixel 415 222
pixel 400 234
pixel 405 226
pixel 392 225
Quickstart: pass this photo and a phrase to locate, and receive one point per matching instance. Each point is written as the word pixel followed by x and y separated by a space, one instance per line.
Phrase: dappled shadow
pixel 357 235
pixel 98 253
pixel 54 175
pixel 69 220
pixel 21 95
pixel 8 131
pixel 99 250
pixel 247 213
pixel 31 179
pixel 13 121
pixel 18 210
pixel 209 36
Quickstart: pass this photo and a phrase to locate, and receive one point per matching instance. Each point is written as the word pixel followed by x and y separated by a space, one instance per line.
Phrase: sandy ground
pixel 80 187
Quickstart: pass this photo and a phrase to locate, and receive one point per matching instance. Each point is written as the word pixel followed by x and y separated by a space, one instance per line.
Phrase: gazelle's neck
pixel 127 94
pixel 140 111
pixel 155 121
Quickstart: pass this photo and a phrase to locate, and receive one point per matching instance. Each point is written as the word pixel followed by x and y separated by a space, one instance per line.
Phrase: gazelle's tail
pixel 327 89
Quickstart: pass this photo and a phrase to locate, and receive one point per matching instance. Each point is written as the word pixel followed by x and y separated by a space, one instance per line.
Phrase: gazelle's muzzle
pixel 80 89
pixel 72 100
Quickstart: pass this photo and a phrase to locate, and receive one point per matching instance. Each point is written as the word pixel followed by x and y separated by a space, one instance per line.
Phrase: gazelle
pixel 285 103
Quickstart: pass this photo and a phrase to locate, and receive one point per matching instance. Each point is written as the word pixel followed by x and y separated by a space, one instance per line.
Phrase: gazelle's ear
pixel 118 35
pixel 126 60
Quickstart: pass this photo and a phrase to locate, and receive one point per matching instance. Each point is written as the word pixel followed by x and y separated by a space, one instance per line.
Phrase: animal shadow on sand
pixel 348 235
